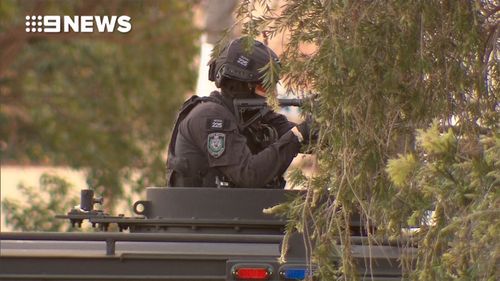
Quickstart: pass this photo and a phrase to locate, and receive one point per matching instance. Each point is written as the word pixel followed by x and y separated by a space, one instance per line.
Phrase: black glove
pixel 279 122
pixel 262 135
pixel 308 133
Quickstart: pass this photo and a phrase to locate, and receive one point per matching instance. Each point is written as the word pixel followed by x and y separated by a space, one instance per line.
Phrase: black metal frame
pixel 112 237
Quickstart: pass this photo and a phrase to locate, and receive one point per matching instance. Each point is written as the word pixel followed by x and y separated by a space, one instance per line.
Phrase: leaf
pixel 401 168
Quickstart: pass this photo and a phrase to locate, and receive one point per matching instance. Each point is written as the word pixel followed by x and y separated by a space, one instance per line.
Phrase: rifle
pixel 261 108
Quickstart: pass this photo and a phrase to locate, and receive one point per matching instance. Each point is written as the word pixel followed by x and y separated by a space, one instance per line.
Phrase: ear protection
pixel 211 71
pixel 214 75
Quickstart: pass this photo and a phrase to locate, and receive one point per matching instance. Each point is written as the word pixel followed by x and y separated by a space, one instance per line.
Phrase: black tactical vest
pixel 193 171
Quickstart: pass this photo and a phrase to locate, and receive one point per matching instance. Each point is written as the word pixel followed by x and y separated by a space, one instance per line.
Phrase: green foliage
pixel 384 69
pixel 100 102
pixel 40 205
pixel 459 241
pixel 270 80
pixel 435 143
pixel 401 168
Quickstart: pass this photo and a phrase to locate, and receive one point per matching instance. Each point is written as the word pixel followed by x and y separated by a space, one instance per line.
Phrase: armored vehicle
pixel 182 234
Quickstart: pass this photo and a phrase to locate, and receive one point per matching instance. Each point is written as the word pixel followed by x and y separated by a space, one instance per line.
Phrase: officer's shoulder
pixel 209 109
pixel 209 116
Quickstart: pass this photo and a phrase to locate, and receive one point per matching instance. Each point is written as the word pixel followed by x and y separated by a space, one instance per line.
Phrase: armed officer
pixel 210 145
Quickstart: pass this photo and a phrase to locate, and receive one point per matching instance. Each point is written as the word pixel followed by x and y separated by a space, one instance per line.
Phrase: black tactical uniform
pixel 212 145
pixel 210 150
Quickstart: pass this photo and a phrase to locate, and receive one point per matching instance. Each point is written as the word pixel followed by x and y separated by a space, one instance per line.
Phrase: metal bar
pixel 105 277
pixel 110 247
pixel 184 257
pixel 112 268
pixel 143 237
pixel 200 222
pixel 364 241
pixel 178 237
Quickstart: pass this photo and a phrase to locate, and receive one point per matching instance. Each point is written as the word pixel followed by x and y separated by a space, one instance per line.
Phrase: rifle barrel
pixel 246 103
pixel 290 102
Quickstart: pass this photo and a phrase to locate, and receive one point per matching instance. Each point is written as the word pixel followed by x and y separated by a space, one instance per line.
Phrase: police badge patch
pixel 216 144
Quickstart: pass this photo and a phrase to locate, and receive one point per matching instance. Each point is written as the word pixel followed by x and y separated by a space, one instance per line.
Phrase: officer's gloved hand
pixel 271 117
pixel 305 132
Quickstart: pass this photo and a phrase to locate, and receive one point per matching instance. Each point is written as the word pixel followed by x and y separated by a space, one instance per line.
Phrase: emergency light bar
pixel 252 272
pixel 294 273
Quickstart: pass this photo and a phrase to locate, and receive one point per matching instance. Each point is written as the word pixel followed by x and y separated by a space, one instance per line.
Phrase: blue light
pixel 295 273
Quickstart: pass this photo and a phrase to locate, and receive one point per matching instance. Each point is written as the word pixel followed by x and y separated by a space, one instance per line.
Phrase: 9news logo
pixel 85 24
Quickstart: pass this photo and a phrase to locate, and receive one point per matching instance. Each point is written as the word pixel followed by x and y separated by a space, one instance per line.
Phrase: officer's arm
pixel 256 170
pixel 226 149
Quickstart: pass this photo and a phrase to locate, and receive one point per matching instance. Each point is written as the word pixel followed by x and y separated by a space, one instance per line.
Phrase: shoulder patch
pixel 216 144
pixel 216 124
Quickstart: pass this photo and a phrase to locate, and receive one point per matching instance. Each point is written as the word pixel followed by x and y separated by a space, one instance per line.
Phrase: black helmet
pixel 237 63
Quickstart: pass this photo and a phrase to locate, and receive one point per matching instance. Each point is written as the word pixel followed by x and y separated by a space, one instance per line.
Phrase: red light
pixel 251 273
